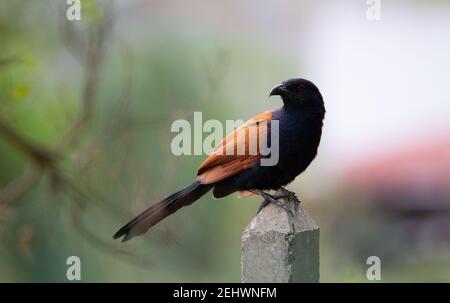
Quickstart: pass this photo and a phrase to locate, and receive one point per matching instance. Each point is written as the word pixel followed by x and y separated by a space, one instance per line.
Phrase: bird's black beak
pixel 277 90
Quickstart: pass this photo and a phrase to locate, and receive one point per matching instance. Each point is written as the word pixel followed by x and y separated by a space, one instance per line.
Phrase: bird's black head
pixel 298 92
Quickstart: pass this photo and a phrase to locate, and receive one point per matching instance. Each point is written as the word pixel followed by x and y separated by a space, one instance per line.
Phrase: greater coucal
pixel 300 122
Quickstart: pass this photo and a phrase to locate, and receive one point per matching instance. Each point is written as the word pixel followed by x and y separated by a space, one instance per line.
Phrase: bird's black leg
pixel 263 204
pixel 273 200
pixel 290 195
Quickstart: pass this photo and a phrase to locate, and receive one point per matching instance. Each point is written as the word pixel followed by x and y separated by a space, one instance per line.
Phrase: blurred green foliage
pixel 122 161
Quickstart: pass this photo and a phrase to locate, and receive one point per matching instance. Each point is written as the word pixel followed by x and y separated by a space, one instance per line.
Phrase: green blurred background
pixel 85 114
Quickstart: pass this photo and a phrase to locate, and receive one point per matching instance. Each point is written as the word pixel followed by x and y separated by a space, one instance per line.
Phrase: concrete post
pixel 279 247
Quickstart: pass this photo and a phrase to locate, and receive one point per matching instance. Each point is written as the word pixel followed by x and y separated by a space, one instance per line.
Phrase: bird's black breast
pixel 299 138
pixel 299 134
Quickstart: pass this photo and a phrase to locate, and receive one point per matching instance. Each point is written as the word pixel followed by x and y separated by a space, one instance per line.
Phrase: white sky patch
pixel 383 82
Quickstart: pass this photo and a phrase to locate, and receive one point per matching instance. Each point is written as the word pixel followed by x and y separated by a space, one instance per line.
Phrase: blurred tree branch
pixel 89 50
pixel 16 188
pixel 39 157
pixel 92 55
pixel 6 61
pixel 45 159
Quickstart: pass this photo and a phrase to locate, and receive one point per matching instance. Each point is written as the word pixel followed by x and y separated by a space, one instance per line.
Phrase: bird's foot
pixel 263 204
pixel 290 195
pixel 268 198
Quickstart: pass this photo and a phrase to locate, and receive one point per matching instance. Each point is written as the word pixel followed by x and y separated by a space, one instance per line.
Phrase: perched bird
pixel 300 121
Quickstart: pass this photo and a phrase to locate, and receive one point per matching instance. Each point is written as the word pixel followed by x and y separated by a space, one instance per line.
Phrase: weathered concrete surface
pixel 279 247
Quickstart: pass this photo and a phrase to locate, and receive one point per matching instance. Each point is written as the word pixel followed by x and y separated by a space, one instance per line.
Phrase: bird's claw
pixel 284 193
pixel 263 204
pixel 275 200
pixel 291 196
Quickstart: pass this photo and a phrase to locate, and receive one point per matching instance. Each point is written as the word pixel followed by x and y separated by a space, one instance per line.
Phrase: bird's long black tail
pixel 161 210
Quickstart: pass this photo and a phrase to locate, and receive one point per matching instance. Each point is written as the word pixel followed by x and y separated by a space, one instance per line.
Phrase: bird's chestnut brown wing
pixel 222 163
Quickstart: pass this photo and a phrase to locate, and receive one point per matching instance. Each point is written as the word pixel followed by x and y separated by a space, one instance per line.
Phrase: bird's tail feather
pixel 161 210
